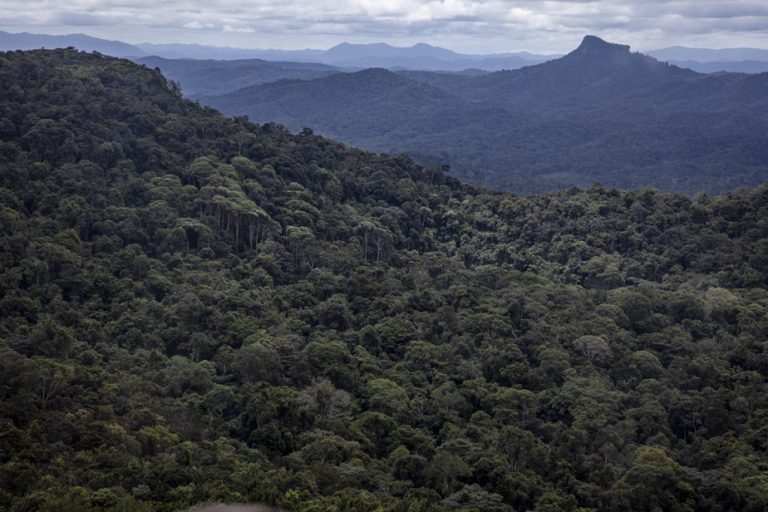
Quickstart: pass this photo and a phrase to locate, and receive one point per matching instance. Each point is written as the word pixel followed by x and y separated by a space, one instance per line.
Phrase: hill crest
pixel 593 45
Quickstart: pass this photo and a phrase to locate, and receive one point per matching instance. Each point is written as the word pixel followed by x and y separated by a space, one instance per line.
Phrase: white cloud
pixel 197 25
pixel 242 30
pixel 469 25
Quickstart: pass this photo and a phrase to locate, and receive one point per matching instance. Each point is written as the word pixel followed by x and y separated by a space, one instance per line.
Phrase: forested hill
pixel 364 108
pixel 599 114
pixel 196 308
pixel 211 77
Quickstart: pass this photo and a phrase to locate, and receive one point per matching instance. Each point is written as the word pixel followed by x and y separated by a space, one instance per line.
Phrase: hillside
pixel 599 114
pixel 367 108
pixel 199 309
pixel 214 77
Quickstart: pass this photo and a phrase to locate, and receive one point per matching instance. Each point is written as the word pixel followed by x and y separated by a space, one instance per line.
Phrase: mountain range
pixel 601 113
pixel 417 57
pixel 357 56
pixel 423 57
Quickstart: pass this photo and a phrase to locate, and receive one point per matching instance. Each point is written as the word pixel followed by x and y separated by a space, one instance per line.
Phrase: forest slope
pixel 365 108
pixel 214 77
pixel 199 309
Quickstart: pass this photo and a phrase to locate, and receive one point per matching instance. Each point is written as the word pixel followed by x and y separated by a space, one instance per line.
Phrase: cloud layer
pixel 469 25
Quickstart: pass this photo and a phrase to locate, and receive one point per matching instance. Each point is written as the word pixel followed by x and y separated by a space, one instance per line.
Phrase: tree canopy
pixel 200 309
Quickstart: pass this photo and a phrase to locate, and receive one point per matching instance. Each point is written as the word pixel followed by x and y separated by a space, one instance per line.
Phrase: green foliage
pixel 187 318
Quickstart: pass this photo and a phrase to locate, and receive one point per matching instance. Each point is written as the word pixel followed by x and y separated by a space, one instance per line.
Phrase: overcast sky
pixel 480 26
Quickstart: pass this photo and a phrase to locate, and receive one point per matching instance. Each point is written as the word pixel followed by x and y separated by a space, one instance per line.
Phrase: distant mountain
pixel 423 57
pixel 348 51
pixel 600 113
pixel 212 77
pixel 740 66
pixel 704 60
pixel 27 41
pixel 355 56
pixel 365 108
pixel 202 52
pixel 359 56
pixel 596 72
pixel 681 53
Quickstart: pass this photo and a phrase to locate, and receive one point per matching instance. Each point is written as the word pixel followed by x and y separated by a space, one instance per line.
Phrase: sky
pixel 474 26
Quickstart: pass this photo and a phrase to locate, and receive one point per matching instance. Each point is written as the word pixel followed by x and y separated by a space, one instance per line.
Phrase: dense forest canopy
pixel 196 308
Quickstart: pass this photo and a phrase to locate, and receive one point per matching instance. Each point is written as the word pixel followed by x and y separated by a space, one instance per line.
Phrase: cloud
pixel 78 19
pixel 490 25
pixel 197 25
pixel 242 30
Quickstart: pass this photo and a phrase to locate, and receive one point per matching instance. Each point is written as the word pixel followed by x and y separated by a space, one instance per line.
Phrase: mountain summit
pixel 594 55
pixel 597 72
pixel 593 45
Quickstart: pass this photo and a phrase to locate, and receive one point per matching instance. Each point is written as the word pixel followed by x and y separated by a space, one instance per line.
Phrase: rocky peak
pixel 592 45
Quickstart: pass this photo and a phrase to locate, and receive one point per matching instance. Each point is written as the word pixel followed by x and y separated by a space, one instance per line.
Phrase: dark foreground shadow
pixel 233 508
